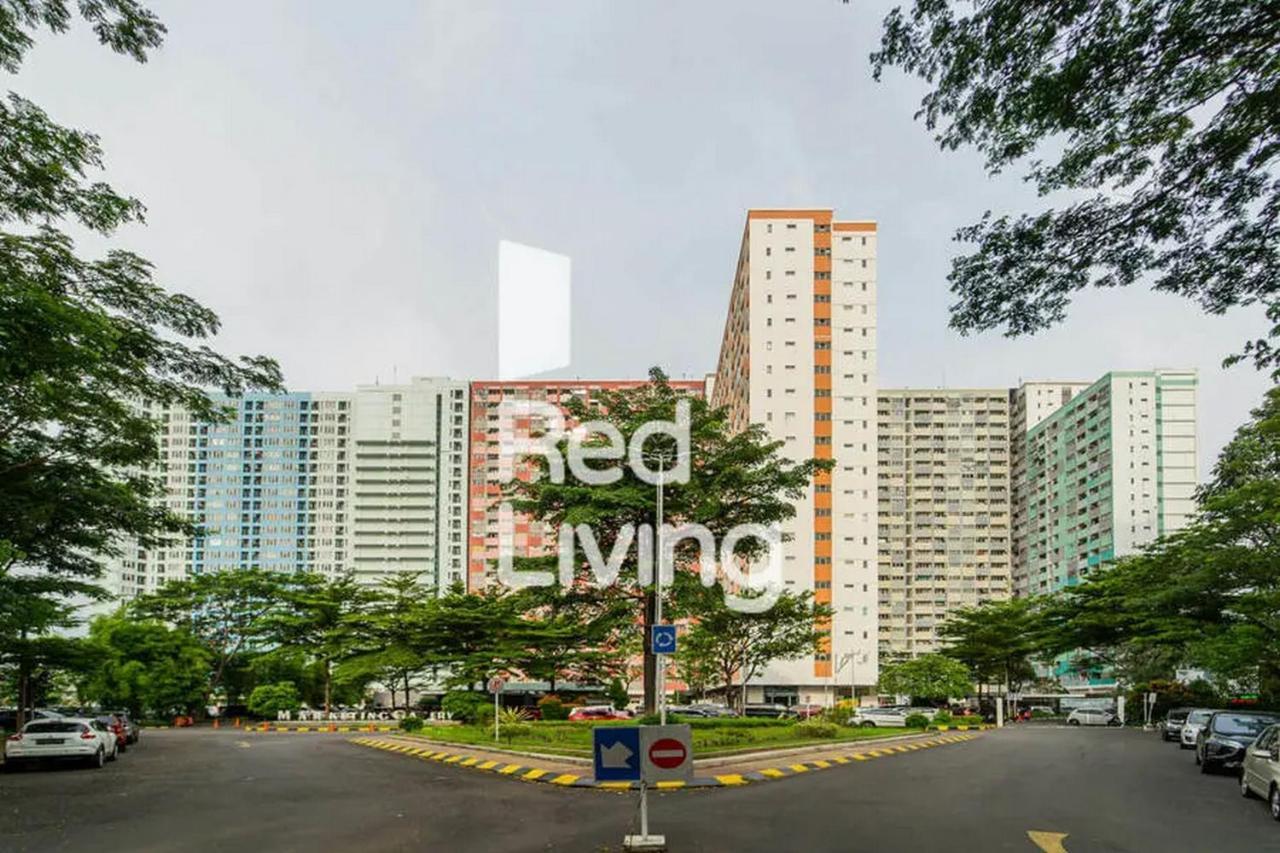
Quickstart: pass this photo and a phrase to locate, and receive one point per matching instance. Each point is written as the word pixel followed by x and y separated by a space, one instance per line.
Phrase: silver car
pixel 1092 717
pixel 1195 722
pixel 1260 773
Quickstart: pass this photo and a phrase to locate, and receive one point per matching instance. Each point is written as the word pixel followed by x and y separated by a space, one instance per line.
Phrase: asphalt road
pixel 1108 790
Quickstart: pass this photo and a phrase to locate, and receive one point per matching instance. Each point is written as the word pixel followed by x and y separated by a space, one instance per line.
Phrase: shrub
pixel 465 706
pixel 552 708
pixel 268 700
pixel 971 720
pixel 816 729
pixel 411 724
pixel 617 694
pixel 513 716
pixel 917 721
pixel 840 715
pixel 1039 714
pixel 942 718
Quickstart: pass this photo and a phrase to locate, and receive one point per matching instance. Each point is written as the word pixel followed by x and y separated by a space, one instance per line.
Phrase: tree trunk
pixel 328 687
pixel 24 679
pixel 650 660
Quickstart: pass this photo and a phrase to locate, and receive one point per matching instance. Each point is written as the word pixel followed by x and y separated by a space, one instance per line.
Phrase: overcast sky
pixel 334 178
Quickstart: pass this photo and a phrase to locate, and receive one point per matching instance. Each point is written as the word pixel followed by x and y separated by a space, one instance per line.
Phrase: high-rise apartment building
pixel 798 356
pixel 530 538
pixel 371 482
pixel 944 510
pixel 409 481
pixel 1110 470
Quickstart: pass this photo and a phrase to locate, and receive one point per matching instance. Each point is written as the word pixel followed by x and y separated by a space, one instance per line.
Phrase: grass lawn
pixel 710 737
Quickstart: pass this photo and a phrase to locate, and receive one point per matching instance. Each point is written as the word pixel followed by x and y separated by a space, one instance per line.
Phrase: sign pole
pixel 495 718
pixel 659 659
pixel 644 809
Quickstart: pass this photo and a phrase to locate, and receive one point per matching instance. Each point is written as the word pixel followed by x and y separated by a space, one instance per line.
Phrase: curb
pixel 530 773
pixel 326 729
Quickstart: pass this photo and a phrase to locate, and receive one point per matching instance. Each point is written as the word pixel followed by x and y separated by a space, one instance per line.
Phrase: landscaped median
pixel 766 760
pixel 711 737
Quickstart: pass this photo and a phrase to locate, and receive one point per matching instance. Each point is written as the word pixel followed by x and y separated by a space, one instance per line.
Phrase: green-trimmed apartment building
pixel 1110 469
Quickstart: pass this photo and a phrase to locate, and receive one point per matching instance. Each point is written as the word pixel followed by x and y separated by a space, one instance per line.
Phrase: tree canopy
pixel 1154 121
pixel 930 678
pixel 85 343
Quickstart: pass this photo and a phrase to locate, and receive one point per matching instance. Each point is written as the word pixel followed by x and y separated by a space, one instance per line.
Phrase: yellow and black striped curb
pixel 324 729
pixel 981 727
pixel 529 773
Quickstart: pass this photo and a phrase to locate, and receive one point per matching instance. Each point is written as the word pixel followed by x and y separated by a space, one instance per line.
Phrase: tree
pixel 996 640
pixel 144 666
pixel 268 700
pixel 734 644
pixel 84 343
pixel 230 612
pixel 735 478
pixel 395 642
pixel 318 619
pixel 929 678
pixel 1156 119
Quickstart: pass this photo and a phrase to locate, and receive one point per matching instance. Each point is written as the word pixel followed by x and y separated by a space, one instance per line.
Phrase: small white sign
pixel 666 753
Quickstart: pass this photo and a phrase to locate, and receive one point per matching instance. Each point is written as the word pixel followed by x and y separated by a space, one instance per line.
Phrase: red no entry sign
pixel 667 753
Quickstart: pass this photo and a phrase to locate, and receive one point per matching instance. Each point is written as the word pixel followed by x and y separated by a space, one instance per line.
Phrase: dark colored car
pixel 1222 742
pixel 1171 726
pixel 117 727
pixel 131 730
pixel 761 710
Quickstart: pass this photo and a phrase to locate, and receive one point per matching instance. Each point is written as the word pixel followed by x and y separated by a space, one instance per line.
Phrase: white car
pixel 1191 728
pixel 73 738
pixel 1092 717
pixel 872 717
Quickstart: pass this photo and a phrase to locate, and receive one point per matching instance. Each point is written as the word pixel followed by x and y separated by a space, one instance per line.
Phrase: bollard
pixel 217 724
pixel 237 722
pixel 332 727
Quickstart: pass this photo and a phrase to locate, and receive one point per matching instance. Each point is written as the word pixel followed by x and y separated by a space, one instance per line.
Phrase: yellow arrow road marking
pixel 1049 842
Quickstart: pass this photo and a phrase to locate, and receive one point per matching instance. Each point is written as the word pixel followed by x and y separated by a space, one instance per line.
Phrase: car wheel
pixel 1245 790
pixel 99 758
pixel 1274 801
pixel 1073 722
pixel 868 724
pixel 11 766
pixel 122 747
pixel 1206 767
pixel 115 753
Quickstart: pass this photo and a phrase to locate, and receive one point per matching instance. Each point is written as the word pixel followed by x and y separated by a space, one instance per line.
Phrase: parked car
pixel 1260 773
pixel 9 717
pixel 872 717
pixel 687 711
pixel 1223 739
pixel 131 729
pixel 709 710
pixel 598 712
pixel 1170 727
pixel 74 738
pixel 1092 717
pixel 1191 728
pixel 116 725
pixel 804 711
pixel 764 710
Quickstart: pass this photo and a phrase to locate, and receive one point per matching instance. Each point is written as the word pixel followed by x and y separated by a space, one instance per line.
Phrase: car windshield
pixel 1179 714
pixel 1198 717
pixel 51 727
pixel 1240 724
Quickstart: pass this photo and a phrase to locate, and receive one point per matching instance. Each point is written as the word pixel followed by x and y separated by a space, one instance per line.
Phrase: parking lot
pixel 203 790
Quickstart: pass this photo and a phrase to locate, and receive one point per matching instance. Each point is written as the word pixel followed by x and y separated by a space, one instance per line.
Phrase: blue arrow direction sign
pixel 617 753
pixel 663 640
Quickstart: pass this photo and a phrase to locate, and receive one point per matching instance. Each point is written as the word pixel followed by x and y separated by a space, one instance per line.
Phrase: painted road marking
pixel 1049 842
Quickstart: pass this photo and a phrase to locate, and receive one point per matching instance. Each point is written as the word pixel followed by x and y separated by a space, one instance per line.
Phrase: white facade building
pixel 799 356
